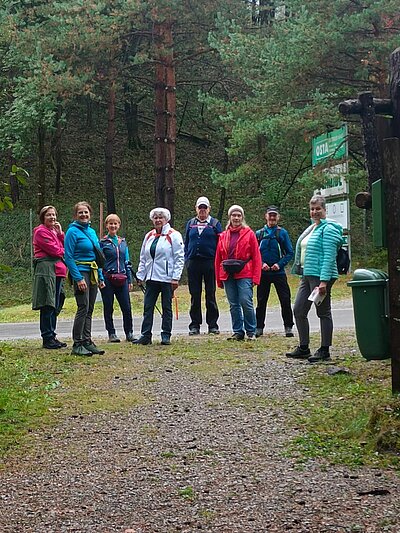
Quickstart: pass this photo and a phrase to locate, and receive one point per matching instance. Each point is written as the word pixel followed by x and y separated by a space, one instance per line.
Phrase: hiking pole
pixel 143 288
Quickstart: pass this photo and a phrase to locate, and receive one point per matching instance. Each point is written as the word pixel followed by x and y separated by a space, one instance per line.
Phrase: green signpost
pixel 332 145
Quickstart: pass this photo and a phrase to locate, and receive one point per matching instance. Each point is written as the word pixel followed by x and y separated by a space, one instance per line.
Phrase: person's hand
pixel 102 284
pixel 139 282
pixel 174 284
pixel 275 267
pixel 57 227
pixel 322 287
pixel 265 267
pixel 130 287
pixel 82 285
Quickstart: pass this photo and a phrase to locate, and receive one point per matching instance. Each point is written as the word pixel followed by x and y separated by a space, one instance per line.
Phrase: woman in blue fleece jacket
pixel 315 261
pixel 85 276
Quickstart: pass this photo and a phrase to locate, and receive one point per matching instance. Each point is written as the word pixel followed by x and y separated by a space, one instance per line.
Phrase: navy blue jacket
pixel 275 250
pixel 117 257
pixel 201 245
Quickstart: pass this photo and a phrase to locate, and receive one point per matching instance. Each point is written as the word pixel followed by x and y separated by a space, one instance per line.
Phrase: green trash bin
pixel 370 290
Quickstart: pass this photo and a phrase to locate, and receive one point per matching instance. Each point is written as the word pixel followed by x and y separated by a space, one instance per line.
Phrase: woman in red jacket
pixel 238 245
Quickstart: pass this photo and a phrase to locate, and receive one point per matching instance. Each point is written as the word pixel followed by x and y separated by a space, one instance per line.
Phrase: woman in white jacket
pixel 160 266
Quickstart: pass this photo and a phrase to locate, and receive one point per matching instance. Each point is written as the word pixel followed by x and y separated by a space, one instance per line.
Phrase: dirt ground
pixel 203 455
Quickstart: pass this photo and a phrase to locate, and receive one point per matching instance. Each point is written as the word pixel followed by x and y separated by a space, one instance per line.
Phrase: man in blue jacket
pixel 201 238
pixel 276 252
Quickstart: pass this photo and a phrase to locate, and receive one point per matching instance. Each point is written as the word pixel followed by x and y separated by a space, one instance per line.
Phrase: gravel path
pixel 205 455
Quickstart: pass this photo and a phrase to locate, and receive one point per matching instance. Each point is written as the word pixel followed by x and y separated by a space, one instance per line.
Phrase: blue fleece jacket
pixel 275 250
pixel 78 246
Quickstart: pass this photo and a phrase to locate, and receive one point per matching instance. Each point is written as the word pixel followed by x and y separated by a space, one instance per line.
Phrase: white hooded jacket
pixel 168 261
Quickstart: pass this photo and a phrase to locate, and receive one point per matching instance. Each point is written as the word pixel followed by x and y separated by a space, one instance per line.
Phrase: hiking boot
pixel 166 340
pixel 142 340
pixel 194 331
pixel 320 355
pixel 79 349
pixel 130 337
pixel 62 344
pixel 299 353
pixel 251 337
pixel 212 331
pixel 113 338
pixel 288 332
pixel 236 337
pixel 259 332
pixel 51 344
pixel 91 347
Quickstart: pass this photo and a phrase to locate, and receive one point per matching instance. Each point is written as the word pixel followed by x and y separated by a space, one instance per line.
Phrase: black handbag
pixel 233 266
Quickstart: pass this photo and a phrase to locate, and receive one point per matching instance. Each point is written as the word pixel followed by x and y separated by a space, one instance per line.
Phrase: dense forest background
pixel 133 103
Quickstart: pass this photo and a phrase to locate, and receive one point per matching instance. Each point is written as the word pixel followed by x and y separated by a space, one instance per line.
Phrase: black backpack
pixel 343 260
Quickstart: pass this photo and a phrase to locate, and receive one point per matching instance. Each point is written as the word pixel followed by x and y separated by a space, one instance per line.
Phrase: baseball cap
pixel 272 209
pixel 203 200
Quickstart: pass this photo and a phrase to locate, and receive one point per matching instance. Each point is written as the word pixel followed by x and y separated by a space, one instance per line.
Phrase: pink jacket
pixel 246 248
pixel 49 243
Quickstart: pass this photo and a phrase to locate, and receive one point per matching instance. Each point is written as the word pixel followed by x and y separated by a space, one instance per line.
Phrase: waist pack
pixel 118 280
pixel 233 266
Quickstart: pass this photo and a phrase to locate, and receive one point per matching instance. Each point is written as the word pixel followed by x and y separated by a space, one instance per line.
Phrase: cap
pixel 203 200
pixel 235 208
pixel 272 209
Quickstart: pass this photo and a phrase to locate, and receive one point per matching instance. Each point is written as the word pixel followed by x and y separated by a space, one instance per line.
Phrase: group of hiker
pixel 235 259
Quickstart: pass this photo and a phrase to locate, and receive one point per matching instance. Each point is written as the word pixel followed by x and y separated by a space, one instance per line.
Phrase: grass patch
pixel 351 418
pixel 19 290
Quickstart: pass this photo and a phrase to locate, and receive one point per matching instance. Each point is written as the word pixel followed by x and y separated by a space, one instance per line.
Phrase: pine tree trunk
pixel 109 146
pixel 56 149
pixel 14 185
pixel 165 120
pixel 41 136
pixel 131 120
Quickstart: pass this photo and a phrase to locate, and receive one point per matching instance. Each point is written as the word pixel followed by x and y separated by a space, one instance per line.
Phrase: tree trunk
pixel 56 149
pixel 225 169
pixel 131 121
pixel 41 135
pixel 89 112
pixel 109 147
pixel 14 185
pixel 165 120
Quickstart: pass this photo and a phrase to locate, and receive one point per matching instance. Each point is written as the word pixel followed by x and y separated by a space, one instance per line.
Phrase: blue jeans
pixel 48 315
pixel 240 297
pixel 122 296
pixel 153 290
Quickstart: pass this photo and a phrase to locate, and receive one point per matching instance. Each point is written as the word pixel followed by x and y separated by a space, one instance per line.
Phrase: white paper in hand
pixel 316 296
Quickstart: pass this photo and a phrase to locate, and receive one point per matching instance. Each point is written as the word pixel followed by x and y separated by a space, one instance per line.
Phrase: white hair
pixel 160 211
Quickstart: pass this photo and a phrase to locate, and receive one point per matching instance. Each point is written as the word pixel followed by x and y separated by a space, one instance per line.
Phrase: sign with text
pixel 335 182
pixel 331 145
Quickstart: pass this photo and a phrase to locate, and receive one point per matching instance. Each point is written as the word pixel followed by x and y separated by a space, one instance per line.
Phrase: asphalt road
pixel 342 317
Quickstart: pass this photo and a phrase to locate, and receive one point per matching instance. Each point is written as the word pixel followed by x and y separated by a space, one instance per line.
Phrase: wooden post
pixel 370 138
pixel 101 222
pixel 391 151
pixel 395 90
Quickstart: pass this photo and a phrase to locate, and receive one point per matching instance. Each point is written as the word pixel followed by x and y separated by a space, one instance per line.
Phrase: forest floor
pixel 197 436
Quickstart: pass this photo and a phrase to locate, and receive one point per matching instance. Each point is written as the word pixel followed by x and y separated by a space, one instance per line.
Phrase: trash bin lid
pixel 368 276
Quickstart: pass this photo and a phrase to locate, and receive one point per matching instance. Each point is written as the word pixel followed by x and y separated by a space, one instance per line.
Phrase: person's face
pixel 113 226
pixel 202 212
pixel 50 218
pixel 271 219
pixel 159 221
pixel 317 212
pixel 236 219
pixel 83 214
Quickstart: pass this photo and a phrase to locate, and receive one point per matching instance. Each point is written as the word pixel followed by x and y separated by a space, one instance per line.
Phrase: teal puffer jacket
pixel 321 251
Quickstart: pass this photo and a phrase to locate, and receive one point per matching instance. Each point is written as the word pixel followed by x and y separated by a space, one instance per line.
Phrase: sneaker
pixel 51 344
pixel 299 353
pixel 130 337
pixel 113 338
pixel 194 331
pixel 79 349
pixel 91 347
pixel 251 337
pixel 212 331
pixel 236 337
pixel 142 340
pixel 320 355
pixel 259 332
pixel 288 332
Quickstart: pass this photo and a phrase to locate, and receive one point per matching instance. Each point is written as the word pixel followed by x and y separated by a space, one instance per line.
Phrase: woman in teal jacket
pixel 315 261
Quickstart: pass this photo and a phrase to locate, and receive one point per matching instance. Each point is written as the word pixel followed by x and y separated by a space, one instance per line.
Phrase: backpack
pixel 262 234
pixel 213 223
pixel 343 260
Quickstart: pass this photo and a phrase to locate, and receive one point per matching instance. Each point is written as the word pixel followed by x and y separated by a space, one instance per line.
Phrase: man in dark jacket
pixel 201 238
pixel 276 252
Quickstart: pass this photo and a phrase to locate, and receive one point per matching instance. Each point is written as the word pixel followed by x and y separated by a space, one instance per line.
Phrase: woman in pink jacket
pixel 238 245
pixel 49 273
